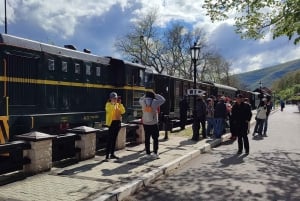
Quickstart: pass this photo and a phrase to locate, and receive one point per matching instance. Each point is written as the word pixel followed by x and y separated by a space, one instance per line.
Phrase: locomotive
pixel 50 89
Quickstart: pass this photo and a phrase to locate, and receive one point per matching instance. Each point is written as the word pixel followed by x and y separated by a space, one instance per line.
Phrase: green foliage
pixel 254 19
pixel 288 87
pixel 291 79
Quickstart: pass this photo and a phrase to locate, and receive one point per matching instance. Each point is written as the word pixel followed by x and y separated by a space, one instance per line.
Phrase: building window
pixel 51 66
pixel 77 68
pixel 64 66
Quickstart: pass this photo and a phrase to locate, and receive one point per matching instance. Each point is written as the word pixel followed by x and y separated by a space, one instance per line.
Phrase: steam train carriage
pixel 49 89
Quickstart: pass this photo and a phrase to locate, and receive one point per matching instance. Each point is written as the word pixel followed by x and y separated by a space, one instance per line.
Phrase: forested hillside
pixel 267 75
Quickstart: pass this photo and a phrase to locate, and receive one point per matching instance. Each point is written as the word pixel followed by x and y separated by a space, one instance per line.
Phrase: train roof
pixel 51 49
pixel 224 87
pixel 134 64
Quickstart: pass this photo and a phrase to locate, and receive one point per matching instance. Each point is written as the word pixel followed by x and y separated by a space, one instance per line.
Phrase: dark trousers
pixel 241 130
pixel 183 118
pixel 243 139
pixel 259 126
pixel 151 131
pixel 113 131
pixel 196 128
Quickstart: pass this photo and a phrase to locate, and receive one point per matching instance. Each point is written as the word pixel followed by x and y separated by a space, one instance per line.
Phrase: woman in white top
pixel 261 115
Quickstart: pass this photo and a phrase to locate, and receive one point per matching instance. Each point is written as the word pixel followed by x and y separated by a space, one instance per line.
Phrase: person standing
pixel 219 117
pixel 282 105
pixel 241 115
pixel 210 116
pixel 183 108
pixel 150 103
pixel 114 110
pixel 261 115
pixel 269 105
pixel 200 119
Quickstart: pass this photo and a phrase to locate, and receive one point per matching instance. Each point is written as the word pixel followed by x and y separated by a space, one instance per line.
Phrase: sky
pixel 96 24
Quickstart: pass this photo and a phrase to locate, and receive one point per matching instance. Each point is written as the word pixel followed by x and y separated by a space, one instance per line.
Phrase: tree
pixel 168 50
pixel 254 19
pixel 216 69
pixel 142 44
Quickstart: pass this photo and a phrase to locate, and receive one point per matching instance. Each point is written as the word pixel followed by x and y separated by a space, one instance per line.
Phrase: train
pixel 51 89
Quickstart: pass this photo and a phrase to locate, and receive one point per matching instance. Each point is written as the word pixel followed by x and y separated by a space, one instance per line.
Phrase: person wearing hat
pixel 114 110
pixel 200 119
pixel 183 108
pixel 150 103
pixel 220 115
pixel 210 116
pixel 241 115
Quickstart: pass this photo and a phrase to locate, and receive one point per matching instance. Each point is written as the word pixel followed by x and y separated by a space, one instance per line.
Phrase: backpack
pixel 149 114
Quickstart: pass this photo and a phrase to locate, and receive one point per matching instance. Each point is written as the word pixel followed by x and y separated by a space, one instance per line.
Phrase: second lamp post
pixel 195 52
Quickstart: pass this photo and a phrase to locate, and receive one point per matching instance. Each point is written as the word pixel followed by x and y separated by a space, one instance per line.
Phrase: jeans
pixel 210 125
pixel 259 126
pixel 266 125
pixel 219 125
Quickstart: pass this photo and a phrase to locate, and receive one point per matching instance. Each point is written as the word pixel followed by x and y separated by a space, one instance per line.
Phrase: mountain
pixel 267 75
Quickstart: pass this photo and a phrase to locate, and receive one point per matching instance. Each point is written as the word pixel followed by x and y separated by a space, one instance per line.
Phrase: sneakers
pixel 151 156
pixel 114 156
pixel 155 156
pixel 148 156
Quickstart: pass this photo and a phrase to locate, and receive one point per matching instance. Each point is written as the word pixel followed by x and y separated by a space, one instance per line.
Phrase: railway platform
pixel 97 180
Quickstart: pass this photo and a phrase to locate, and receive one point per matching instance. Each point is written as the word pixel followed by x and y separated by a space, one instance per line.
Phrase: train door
pixel 162 87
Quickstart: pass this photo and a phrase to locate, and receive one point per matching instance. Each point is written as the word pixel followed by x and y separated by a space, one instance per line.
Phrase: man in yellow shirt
pixel 114 110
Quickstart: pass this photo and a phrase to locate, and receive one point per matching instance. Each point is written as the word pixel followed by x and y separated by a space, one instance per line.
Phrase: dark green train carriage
pixel 50 89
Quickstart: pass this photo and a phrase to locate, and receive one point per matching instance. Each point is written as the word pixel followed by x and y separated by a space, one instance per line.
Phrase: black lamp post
pixel 141 50
pixel 195 52
pixel 5 18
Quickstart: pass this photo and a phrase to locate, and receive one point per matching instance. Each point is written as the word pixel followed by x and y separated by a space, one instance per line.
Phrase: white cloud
pixel 102 21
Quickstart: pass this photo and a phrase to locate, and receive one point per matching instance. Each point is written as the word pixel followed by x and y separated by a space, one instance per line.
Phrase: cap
pixel 264 99
pixel 113 95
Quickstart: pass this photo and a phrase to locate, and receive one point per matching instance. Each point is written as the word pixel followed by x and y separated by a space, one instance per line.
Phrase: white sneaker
pixel 155 156
pixel 147 156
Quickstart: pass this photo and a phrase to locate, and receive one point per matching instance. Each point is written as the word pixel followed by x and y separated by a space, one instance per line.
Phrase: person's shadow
pixel 233 160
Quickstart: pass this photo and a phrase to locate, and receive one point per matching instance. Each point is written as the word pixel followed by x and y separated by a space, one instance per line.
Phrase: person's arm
pixel 142 100
pixel 122 108
pixel 159 99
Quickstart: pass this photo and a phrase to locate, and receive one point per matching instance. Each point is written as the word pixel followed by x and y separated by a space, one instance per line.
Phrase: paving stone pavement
pixel 97 180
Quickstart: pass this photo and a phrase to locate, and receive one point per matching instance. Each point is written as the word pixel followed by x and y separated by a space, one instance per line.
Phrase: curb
pixel 132 187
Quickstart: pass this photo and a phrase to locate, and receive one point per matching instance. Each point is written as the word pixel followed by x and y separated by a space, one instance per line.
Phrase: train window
pixel 64 66
pixel 51 64
pixel 141 77
pixel 77 68
pixel 88 69
pixel 98 71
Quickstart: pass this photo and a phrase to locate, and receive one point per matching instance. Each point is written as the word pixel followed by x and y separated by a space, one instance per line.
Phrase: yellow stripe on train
pixel 4 130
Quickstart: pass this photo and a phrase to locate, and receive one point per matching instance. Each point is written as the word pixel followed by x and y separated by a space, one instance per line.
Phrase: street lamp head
pixel 195 52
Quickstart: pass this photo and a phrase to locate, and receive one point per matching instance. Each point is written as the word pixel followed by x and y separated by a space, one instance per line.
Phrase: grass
pixel 187 132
